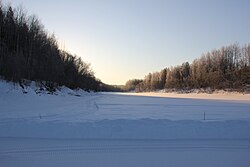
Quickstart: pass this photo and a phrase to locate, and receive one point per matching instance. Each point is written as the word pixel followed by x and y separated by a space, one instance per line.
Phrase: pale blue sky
pixel 125 39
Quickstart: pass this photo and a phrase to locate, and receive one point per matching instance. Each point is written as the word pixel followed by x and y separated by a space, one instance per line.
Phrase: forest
pixel 28 51
pixel 226 68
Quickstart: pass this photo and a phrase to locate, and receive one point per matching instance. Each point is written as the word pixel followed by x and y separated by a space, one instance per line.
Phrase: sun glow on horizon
pixel 123 40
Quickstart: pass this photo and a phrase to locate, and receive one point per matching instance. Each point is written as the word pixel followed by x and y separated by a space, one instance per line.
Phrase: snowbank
pixel 31 87
pixel 128 129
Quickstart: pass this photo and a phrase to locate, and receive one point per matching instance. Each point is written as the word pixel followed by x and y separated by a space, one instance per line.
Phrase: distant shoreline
pixel 224 96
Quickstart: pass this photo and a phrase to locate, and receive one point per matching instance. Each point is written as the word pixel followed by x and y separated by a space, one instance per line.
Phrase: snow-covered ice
pixel 76 128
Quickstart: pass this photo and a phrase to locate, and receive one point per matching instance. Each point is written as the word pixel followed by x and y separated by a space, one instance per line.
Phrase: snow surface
pixel 76 128
pixel 217 95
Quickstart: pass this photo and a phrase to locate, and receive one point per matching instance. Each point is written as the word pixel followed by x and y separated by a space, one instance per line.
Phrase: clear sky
pixel 126 39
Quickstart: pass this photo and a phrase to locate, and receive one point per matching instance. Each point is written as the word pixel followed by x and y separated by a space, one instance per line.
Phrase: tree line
pixel 28 51
pixel 224 68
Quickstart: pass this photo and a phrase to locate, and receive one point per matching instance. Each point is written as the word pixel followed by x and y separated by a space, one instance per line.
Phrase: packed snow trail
pixel 133 153
pixel 128 129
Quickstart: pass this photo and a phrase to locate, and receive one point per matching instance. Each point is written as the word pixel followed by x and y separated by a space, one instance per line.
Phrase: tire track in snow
pixel 128 146
pixel 80 108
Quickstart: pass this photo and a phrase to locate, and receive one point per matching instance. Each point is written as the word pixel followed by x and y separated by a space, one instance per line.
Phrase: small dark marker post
pixel 204 116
